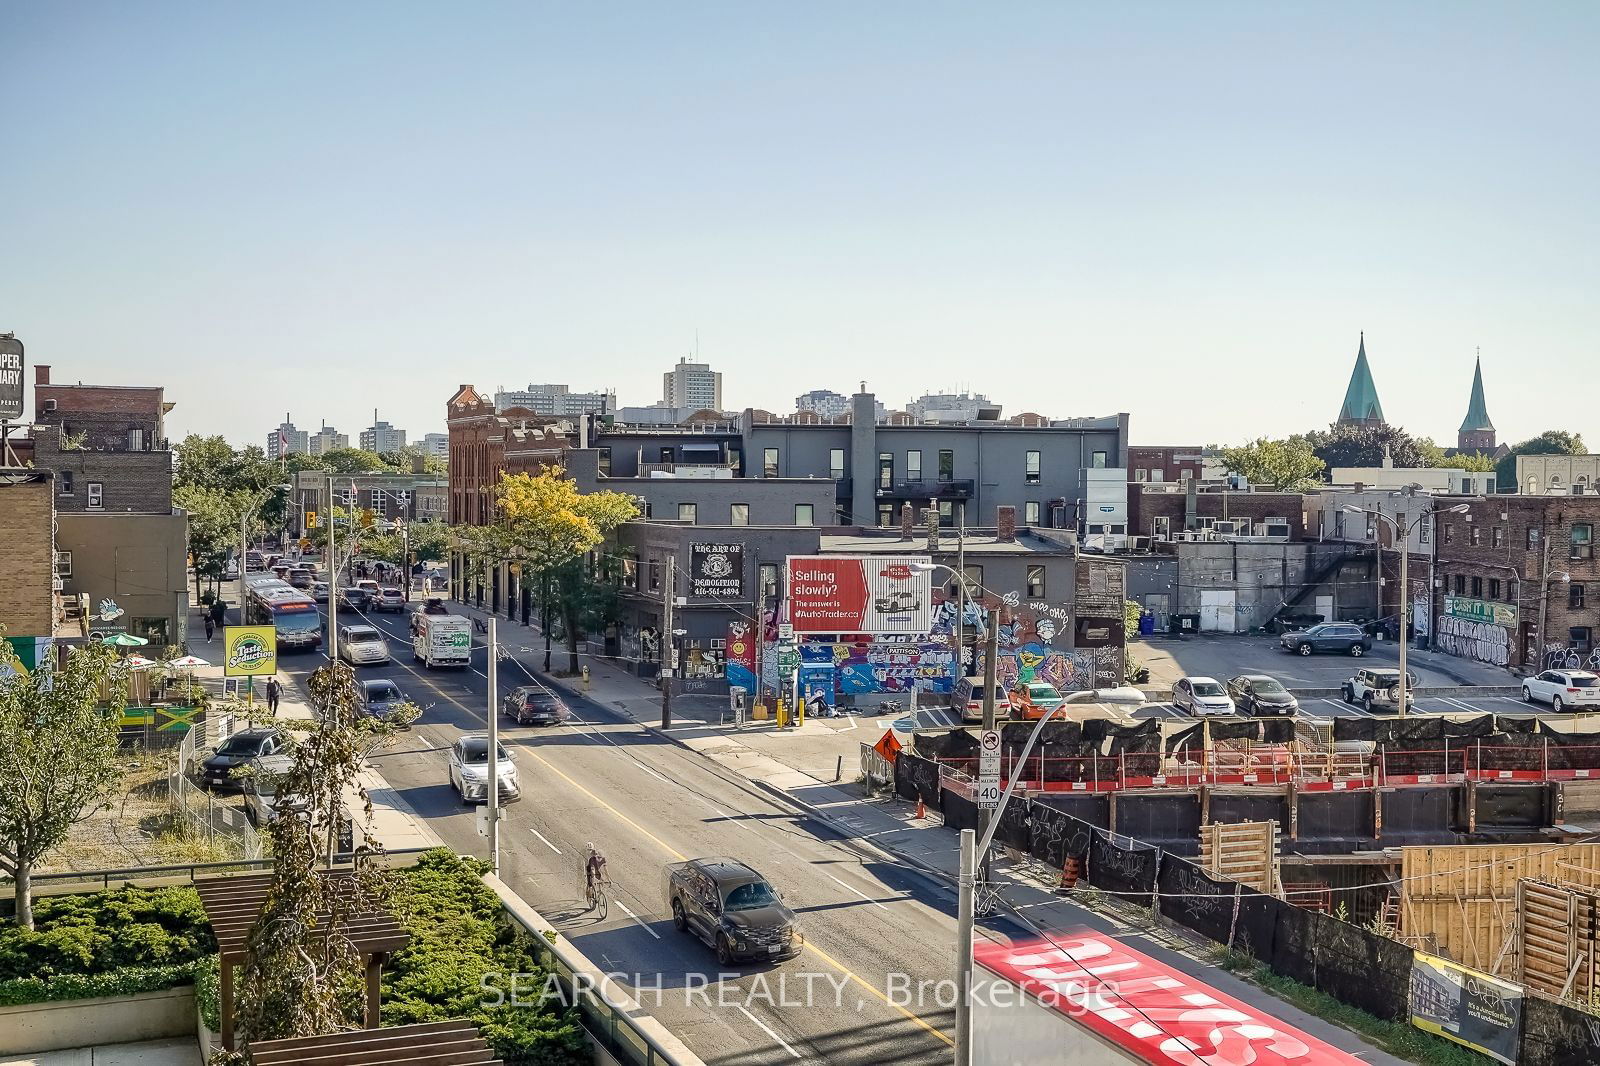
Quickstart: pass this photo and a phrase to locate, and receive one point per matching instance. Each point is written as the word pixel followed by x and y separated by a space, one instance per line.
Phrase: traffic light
pixel 311 520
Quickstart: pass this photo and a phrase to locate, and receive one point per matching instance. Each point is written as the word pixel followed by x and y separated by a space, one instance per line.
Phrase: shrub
pixel 127 981
pixel 208 991
pixel 96 934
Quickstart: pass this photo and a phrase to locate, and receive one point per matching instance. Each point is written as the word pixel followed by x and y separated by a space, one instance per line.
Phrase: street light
pixel 1401 536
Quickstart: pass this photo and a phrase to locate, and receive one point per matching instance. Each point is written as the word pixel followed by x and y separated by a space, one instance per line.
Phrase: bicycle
pixel 596 882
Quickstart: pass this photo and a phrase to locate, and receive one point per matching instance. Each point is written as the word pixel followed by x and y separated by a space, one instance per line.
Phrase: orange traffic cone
pixel 922 810
pixel 1069 875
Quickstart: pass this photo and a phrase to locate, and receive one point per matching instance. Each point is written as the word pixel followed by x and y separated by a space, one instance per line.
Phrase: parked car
pixel 1346 637
pixel 1032 699
pixel 1201 696
pixel 319 591
pixel 380 696
pixel 355 598
pixel 362 645
pixel 1563 689
pixel 534 705
pixel 371 586
pixel 969 700
pixel 733 909
pixel 1261 696
pixel 239 751
pixel 1125 697
pixel 265 800
pixel 1379 688
pixel 389 600
pixel 469 769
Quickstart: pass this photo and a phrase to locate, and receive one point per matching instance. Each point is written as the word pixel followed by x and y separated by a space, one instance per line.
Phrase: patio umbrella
pixel 126 640
pixel 188 662
pixel 139 662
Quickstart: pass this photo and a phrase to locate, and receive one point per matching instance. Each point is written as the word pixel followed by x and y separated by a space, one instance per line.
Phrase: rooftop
pixel 849 540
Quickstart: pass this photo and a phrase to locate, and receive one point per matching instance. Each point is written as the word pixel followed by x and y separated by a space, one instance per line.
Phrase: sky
pixel 1186 211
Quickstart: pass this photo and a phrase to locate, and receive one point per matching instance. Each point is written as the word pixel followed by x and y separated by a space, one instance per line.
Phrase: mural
pixel 885 666
pixel 1068 669
pixel 1484 642
pixel 1569 657
pixel 741 656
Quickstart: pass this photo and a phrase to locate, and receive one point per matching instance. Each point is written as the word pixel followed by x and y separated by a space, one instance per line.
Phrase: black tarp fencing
pixel 1056 835
pixel 1193 737
pixel 1124 866
pixel 1352 965
pixel 1218 908
pixel 1525 806
pixel 1416 815
pixel 916 778
pixel 959 811
pixel 1258 806
pixel 1554 1034
pixel 1277 730
pixel 1170 819
pixel 1249 729
pixel 1334 815
pixel 1093 808
pixel 1016 822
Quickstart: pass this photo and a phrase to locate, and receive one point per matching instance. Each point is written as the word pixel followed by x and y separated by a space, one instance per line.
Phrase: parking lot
pixel 1333 707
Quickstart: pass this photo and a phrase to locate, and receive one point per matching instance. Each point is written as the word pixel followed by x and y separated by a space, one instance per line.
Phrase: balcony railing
pixel 953 489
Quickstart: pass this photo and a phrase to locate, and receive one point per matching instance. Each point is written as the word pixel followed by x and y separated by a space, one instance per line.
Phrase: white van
pixel 968 700
pixel 441 639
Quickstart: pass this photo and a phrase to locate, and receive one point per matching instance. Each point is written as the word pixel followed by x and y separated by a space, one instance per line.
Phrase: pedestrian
pixel 211 627
pixel 219 611
pixel 274 691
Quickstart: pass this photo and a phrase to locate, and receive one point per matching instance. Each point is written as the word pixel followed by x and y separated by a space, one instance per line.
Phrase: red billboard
pixel 859 594
pixel 1153 1012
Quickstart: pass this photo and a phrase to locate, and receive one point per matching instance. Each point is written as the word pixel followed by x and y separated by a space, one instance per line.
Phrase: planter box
pixel 70 1023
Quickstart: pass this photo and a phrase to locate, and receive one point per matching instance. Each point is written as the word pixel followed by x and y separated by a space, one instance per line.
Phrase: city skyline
pixel 1071 221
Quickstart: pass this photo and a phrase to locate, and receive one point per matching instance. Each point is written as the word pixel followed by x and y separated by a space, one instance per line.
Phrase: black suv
pixel 1345 637
pixel 733 909
pixel 239 751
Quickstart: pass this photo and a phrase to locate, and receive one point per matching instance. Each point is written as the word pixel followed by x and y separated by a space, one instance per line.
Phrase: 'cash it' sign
pixel 859 594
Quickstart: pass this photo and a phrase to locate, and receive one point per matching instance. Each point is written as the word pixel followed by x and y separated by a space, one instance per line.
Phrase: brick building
pixel 27 553
pixel 1507 563
pixel 1159 464
pixel 106 445
pixel 1162 511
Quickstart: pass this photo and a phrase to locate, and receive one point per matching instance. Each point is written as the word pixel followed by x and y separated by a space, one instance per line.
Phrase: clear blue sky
pixel 1181 210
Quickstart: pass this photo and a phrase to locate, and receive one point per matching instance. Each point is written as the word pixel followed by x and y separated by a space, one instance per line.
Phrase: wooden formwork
pixel 1244 851
pixel 1556 926
pixel 1463 898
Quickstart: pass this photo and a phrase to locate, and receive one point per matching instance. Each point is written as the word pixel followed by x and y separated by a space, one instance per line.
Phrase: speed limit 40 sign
pixel 989 769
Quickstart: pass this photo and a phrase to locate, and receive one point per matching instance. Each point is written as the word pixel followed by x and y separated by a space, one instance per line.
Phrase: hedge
pixel 102 933
pixel 127 981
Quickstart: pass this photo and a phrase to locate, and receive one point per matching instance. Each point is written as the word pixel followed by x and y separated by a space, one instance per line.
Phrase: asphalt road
pixel 646 802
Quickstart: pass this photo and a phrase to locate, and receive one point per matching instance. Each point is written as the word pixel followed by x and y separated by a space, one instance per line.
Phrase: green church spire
pixel 1361 398
pixel 1477 419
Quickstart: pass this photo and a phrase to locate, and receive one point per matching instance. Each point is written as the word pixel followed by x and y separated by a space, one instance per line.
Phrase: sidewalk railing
pixel 196 809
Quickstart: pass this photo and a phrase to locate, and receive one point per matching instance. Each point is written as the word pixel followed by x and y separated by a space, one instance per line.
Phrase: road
pixel 645 802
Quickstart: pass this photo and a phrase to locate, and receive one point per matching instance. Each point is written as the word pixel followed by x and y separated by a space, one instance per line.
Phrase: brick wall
pixel 27 558
pixel 1145 506
pixel 1162 464
pixel 140 482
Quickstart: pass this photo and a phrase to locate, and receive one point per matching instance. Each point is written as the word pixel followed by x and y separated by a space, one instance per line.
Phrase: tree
pixel 351 461
pixel 1281 464
pixel 58 755
pixel 1550 442
pixel 1364 445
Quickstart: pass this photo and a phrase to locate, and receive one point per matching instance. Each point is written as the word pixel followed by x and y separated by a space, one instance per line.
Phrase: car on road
pixel 733 909
pixel 389 600
pixel 1378 688
pixel 361 645
pixel 534 705
pixel 260 787
pixel 433 605
pixel 469 769
pixel 1343 637
pixel 1563 689
pixel 319 591
pixel 1260 696
pixel 969 700
pixel 239 751
pixel 380 697
pixel 1201 696
pixel 1031 699
pixel 372 587
pixel 355 598
pixel 301 577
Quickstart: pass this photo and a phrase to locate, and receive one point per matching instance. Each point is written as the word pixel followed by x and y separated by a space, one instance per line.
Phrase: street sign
pixel 785 630
pixel 988 793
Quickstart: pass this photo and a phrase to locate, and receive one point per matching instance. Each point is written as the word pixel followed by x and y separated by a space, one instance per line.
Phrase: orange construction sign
pixel 888 746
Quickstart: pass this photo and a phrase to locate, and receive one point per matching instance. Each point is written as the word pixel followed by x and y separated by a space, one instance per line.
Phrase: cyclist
pixel 594 868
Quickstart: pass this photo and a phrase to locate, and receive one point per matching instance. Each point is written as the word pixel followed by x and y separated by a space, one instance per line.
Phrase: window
pixel 947 512
pixel 1030 513
pixel 1466 486
pixel 914 465
pixel 1447 535
pixel 1035 581
pixel 603 462
pixel 1475 535
pixel 666 456
pixel 1461 585
pixel 1533 538
pixel 1338 525
pixel 804 514
pixel 947 464
pixel 1477 586
pixel 1097 460
pixel 769 581
pixel 136 440
pixel 1497 537
pixel 1533 486
pixel 1575 597
pixel 1141 474
pixel 1582 539
pixel 738 514
pixel 1031 468
pixel 64 479
pixel 63 564
pixel 654 568
pixel 885 470
pixel 769 462
pixel 1425 532
pixel 630 573
pixel 836 463
pixel 974 581
pixel 1494 588
pixel 1579 637
pixel 885 514
pixel 686 513
pixel 95 495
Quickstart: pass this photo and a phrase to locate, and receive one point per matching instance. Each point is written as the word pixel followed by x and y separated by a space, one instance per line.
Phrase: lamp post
pixel 1401 535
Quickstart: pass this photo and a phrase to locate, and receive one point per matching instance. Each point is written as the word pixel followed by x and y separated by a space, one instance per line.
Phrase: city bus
pixel 292 612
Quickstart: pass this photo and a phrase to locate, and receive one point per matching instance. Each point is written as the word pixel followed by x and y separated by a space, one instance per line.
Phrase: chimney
pixel 908 520
pixel 1005 524
pixel 931 515
pixel 41 373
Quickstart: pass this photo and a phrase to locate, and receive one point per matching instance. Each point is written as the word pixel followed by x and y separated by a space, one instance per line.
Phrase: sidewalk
pixel 178 1052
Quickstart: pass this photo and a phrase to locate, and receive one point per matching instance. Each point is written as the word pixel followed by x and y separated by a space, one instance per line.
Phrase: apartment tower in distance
pixel 692 387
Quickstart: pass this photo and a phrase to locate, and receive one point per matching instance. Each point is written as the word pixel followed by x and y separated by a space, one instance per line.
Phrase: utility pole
pixel 1544 600
pixel 545 615
pixel 961 593
pixel 494 751
pixel 668 644
pixel 965 884
pixel 991 652
pixel 333 579
pixel 759 632
pixel 1403 535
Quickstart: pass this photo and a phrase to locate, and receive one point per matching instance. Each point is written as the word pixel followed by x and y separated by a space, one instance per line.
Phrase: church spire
pixel 1361 406
pixel 1477 419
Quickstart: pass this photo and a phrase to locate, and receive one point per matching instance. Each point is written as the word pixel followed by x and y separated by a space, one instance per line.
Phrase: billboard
pixel 10 378
pixel 249 651
pixel 716 571
pixel 1500 614
pixel 1466 1006
pixel 860 593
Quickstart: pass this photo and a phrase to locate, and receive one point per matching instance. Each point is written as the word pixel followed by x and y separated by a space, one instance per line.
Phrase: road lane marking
pixel 663 845
pixel 640 923
pixel 765 1028
pixel 870 987
pixel 857 891
pixel 546 840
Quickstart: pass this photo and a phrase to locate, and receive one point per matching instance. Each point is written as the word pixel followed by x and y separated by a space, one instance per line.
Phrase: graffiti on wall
pixel 1484 642
pixel 1068 669
pixel 885 666
pixel 1570 657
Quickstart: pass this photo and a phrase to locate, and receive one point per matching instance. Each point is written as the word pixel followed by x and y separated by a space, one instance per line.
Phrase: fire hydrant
pixel 585 671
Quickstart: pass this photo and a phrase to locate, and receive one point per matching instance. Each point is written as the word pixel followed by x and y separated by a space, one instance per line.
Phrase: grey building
pixel 287 440
pixel 692 386
pixel 436 445
pixel 326 439
pixel 382 438
pixel 709 494
pixel 556 400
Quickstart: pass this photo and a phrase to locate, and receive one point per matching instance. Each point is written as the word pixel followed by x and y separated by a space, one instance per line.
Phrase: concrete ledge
pixel 72 1023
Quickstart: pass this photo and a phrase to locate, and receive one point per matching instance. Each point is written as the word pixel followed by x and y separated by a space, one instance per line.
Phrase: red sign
pixel 898 571
pixel 859 594
pixel 1157 1013
pixel 742 645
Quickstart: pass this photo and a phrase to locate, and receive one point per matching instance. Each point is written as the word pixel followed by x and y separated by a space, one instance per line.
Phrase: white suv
pixel 1379 687
pixel 1563 689
pixel 362 645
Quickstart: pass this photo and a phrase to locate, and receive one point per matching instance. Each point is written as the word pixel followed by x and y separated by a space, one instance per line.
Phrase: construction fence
pixel 220 823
